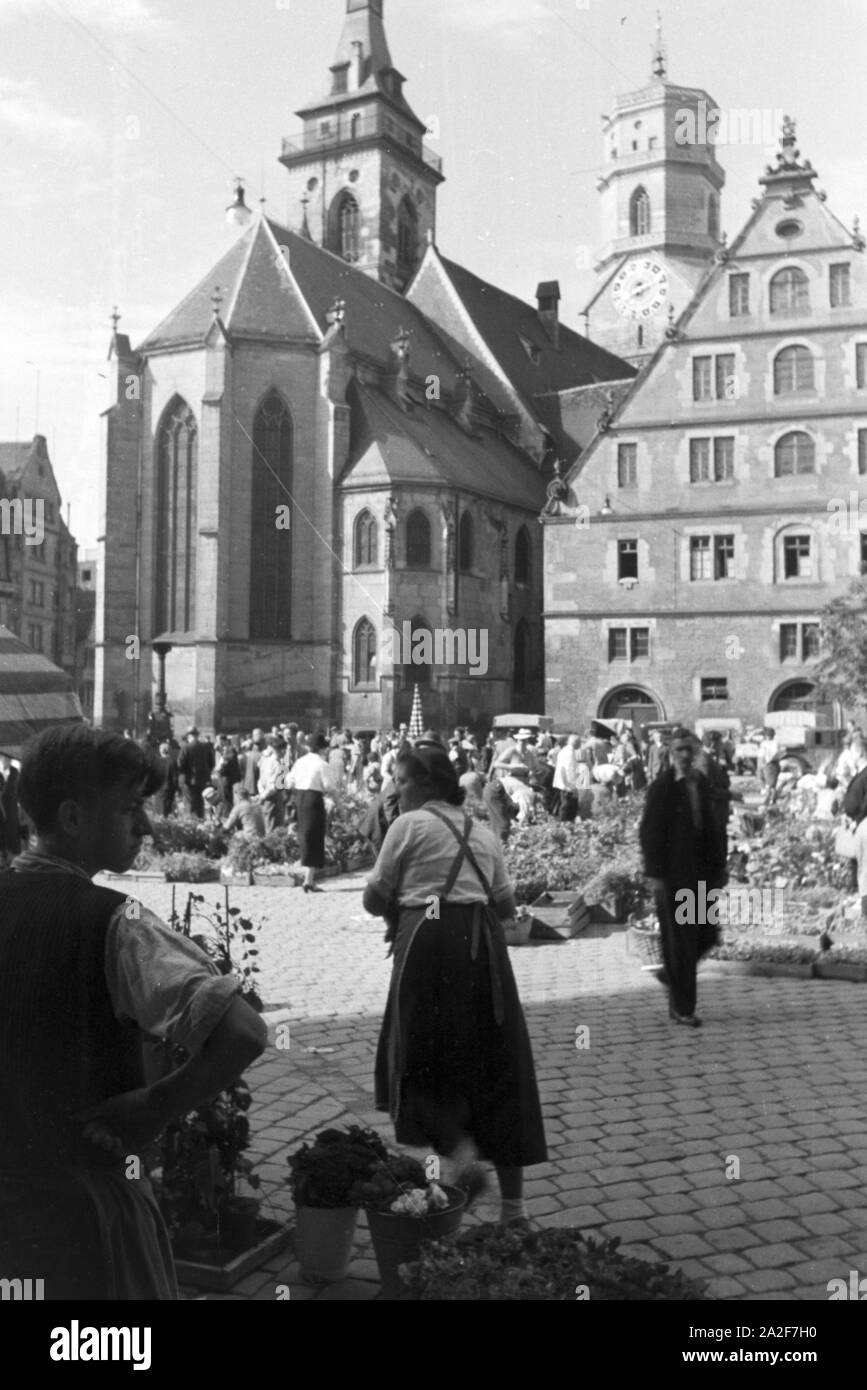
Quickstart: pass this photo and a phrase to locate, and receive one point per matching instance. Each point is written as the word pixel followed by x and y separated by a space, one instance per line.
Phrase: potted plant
pixel 404 1208
pixel 324 1177
pixel 619 891
pixel 558 1264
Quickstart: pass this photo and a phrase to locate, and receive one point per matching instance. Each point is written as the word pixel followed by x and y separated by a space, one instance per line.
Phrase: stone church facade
pixel 337 433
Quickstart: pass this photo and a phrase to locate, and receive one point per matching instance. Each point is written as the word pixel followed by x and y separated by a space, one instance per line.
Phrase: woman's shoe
pixel 312 888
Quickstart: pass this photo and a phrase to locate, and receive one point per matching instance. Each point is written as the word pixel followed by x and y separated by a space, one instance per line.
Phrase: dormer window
pixel 341 79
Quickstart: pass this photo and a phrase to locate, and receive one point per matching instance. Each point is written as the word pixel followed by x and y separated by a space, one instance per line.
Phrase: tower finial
pixel 116 317
pixel 217 301
pixel 659 63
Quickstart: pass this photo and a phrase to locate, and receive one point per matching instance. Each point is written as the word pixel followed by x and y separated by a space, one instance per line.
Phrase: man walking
pixel 685 848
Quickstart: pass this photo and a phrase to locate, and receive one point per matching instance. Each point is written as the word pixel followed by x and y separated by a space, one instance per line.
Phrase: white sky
pixel 122 123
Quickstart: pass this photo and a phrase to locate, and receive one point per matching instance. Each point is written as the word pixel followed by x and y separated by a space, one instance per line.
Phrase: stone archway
pixel 631 702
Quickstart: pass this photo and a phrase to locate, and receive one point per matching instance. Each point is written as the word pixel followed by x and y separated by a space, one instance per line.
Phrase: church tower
pixel 361 181
pixel 659 203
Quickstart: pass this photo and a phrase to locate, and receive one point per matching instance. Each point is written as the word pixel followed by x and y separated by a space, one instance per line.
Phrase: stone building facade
pixel 38 566
pixel 313 450
pixel 717 511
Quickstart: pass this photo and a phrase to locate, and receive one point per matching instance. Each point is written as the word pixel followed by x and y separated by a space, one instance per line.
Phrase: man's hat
pixel 524 733
pixel 190 733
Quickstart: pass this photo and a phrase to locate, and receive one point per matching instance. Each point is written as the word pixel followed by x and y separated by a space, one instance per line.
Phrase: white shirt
pixel 310 774
pixel 418 851
pixel 566 769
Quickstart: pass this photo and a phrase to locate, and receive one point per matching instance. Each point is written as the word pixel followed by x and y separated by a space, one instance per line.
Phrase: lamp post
pixel 160 719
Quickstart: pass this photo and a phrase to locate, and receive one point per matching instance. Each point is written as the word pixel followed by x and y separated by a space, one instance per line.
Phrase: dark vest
pixel 61 1047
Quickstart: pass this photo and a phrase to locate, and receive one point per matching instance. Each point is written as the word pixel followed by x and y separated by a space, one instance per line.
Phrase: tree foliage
pixel 841 673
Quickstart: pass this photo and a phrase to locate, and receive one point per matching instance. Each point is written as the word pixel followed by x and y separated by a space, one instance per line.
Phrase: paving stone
pixel 675 1224
pixel 771 1256
pixel 727 1264
pixel 768 1280
pixel 678 1247
pixel 731 1238
pixel 826 1224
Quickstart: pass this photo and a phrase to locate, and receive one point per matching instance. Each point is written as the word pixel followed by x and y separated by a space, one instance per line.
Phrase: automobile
pixel 504 724
pixel 804 739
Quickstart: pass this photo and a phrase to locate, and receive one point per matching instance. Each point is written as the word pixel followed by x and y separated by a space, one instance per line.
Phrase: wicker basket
pixel 645 943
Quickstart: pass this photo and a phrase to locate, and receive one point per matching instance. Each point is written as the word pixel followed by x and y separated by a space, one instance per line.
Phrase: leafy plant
pixel 200 1159
pixel 328 1172
pixel 189 868
pixel 187 835
pixel 501 1264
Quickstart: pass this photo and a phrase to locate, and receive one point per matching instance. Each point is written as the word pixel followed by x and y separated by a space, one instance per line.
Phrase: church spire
pixel 660 66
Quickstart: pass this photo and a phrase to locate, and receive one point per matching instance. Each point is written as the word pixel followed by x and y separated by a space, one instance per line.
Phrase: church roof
pixel 13 459
pixel 427 447
pixel 364 25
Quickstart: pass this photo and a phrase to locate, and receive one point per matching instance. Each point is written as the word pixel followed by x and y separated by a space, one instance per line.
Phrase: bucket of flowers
pixel 406 1204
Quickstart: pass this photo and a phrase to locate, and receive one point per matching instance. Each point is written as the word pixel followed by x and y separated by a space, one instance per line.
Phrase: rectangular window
pixel 49 512
pixel 627 465
pixel 617 650
pixel 640 643
pixel 723 459
pixel 724 366
pixel 699 460
pixel 788 641
pixel 627 559
pixel 862 451
pixel 714 688
pixel 861 365
pixel 702 378
pixel 811 640
pixel 739 295
pixel 839 286
pixel 724 557
pixel 700 557
pixel 797 561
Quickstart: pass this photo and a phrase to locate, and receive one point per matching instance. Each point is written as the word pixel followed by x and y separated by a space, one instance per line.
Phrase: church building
pixel 338 439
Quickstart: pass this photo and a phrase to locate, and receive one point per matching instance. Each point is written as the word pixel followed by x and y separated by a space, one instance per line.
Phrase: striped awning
pixel 34 694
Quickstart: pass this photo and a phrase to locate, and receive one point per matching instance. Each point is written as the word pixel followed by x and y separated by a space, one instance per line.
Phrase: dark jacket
pixel 672 850
pixel 195 765
pixel 855 798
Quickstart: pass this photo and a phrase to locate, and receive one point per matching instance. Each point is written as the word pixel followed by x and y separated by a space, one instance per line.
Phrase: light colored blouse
pixel 310 774
pixel 418 851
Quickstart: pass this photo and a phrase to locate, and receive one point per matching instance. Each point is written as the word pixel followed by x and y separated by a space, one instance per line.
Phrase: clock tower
pixel 362 182
pixel 659 202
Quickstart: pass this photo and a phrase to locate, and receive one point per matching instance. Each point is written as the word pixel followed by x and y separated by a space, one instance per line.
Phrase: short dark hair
pixel 431 765
pixel 75 762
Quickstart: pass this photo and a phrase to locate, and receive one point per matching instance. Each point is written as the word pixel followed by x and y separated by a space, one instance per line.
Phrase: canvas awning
pixel 34 694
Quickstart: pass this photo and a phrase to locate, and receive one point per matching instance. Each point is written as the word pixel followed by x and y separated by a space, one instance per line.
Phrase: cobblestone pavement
pixel 647 1125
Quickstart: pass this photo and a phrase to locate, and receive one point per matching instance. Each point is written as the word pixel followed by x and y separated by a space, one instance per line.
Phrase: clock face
pixel 641 288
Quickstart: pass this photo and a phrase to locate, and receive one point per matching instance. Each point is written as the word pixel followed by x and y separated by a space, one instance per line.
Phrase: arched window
pixel 465 544
pixel 417 541
pixel 364 654
pixel 522 558
pixel 270 544
pixel 176 528
pixel 793 371
pixel 407 238
pixel 418 672
pixel 344 233
pixel 790 291
pixel 713 217
pixel 794 453
pixel 639 213
pixel 354 126
pixel 366 548
pixel 521 656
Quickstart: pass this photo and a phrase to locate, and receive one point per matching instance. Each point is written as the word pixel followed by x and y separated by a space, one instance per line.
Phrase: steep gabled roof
pixel 428 448
pixel 364 25
pixel 13 460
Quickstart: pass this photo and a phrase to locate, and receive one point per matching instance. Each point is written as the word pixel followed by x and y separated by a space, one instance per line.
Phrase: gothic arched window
pixel 465 544
pixel 790 291
pixel 793 454
pixel 793 371
pixel 364 654
pixel 176 528
pixel 366 548
pixel 417 541
pixel 417 673
pixel 522 558
pixel 521 655
pixel 270 545
pixel 407 238
pixel 639 213
pixel 344 237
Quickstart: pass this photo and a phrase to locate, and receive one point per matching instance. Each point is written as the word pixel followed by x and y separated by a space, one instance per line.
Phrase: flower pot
pixel 517 933
pixel 396 1238
pixel 237 1222
pixel 323 1242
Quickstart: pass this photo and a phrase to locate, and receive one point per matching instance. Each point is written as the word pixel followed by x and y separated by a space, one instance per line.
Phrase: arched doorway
pixel 801 696
pixel 631 702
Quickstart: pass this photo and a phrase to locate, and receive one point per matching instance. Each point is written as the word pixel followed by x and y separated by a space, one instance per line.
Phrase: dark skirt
pixel 310 809
pixel 454 1058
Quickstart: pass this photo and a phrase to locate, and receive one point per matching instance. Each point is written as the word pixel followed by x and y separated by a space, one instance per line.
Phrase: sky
pixel 124 122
